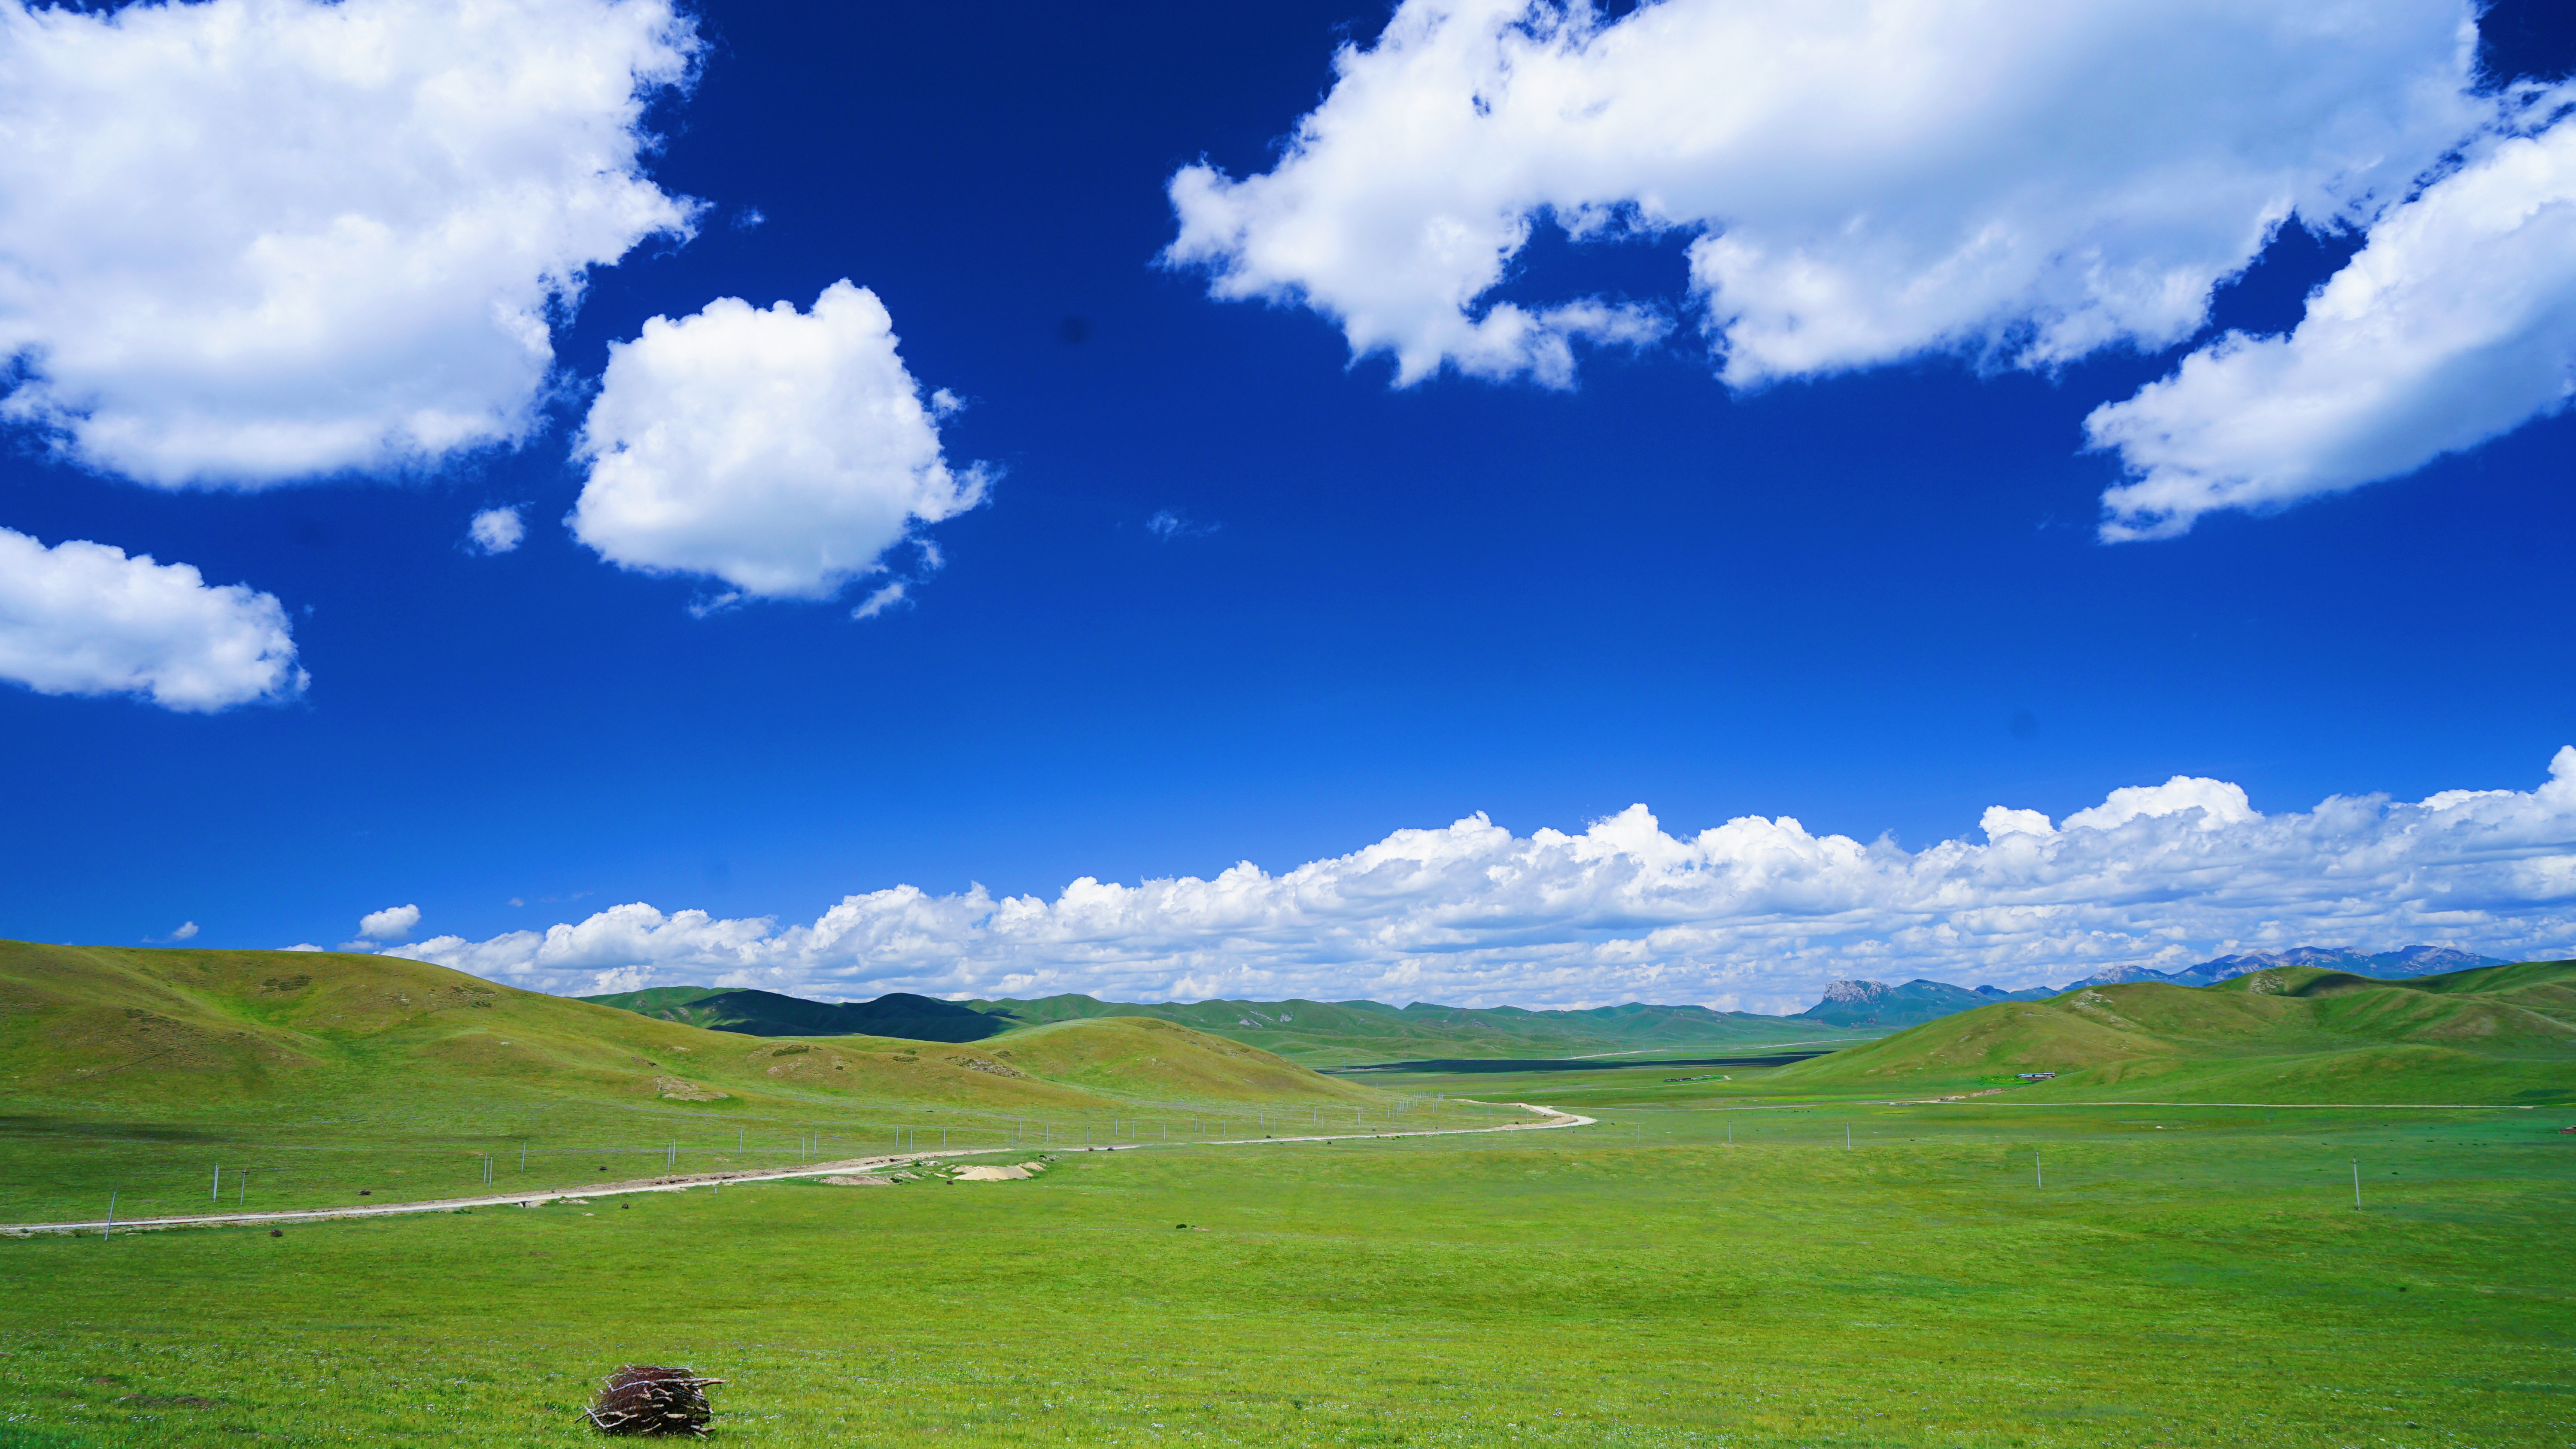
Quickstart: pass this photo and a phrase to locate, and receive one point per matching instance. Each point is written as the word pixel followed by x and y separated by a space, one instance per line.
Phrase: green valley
pixel 1825 1252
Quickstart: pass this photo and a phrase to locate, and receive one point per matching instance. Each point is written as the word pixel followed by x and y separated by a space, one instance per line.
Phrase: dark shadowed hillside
pixel 767 1013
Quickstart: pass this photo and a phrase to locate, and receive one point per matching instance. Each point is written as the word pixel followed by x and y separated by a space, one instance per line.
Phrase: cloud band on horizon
pixel 1755 914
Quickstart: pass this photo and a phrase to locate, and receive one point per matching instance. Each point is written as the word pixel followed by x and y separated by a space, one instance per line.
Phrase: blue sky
pixel 1229 594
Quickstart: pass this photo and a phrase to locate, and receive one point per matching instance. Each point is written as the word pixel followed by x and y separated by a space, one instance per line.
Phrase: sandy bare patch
pixel 849 1181
pixel 674 1089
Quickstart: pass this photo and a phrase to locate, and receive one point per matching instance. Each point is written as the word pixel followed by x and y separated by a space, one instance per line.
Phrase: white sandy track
pixel 1552 1118
pixel 2284 1106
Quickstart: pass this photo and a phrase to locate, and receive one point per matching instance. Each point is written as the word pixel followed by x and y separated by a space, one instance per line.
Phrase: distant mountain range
pixel 1854 1004
pixel 1352 1032
pixel 1316 1033
pixel 2386 965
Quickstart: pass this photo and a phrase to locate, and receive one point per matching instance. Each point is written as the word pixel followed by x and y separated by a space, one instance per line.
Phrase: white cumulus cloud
pixel 780 452
pixel 496 530
pixel 390 924
pixel 243 241
pixel 187 931
pixel 2003 820
pixel 2220 804
pixel 83 618
pixel 2455 323
pixel 1753 914
pixel 1863 180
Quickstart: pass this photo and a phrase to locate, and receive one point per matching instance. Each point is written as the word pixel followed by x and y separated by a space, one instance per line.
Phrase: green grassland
pixel 2197 1279
pixel 1710 1265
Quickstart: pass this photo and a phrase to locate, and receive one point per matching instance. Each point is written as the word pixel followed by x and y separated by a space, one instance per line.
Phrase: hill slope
pixel 2289 1033
pixel 178 1030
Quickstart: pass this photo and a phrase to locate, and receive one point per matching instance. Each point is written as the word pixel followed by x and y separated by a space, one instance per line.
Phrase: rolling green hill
pixel 316 1078
pixel 1320 1033
pixel 182 1031
pixel 2295 1033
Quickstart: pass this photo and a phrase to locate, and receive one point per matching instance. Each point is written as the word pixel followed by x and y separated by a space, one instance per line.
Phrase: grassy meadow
pixel 1736 1257
pixel 2186 1276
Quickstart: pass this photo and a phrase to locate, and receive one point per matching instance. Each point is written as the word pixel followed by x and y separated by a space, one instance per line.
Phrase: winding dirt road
pixel 1550 1118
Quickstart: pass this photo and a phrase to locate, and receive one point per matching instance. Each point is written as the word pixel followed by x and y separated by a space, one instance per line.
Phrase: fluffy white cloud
pixel 2220 804
pixel 390 924
pixel 780 452
pixel 496 530
pixel 2455 323
pixel 2003 820
pixel 251 240
pixel 187 931
pixel 1755 914
pixel 82 618
pixel 1866 179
